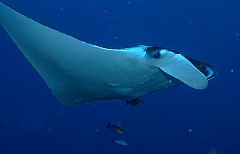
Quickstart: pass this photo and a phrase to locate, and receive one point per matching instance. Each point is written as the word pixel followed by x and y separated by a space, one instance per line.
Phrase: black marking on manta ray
pixel 151 49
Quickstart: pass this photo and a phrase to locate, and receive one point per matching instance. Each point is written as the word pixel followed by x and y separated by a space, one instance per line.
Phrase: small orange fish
pixel 134 102
pixel 115 128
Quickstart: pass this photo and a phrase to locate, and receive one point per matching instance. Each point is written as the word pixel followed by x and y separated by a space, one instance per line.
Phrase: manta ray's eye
pixel 154 52
pixel 157 55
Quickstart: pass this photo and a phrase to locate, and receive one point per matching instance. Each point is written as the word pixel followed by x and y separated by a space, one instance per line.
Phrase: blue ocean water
pixel 180 120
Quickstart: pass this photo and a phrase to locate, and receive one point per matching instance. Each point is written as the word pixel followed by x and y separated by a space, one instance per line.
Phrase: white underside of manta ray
pixel 77 72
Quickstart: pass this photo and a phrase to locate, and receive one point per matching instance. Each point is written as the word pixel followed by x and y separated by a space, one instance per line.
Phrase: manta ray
pixel 78 72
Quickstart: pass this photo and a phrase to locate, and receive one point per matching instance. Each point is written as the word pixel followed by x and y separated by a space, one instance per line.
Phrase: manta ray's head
pixel 188 70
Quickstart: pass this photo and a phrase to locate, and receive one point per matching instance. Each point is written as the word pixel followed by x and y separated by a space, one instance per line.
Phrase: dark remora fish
pixel 134 102
pixel 115 128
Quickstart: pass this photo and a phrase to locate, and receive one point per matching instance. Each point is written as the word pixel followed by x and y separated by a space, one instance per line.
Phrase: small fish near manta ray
pixel 134 102
pixel 123 143
pixel 114 128
pixel 77 72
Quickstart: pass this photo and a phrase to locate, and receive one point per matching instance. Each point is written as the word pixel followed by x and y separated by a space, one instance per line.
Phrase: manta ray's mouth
pixel 208 70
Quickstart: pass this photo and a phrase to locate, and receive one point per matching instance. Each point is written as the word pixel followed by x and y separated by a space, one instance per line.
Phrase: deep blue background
pixel 207 30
